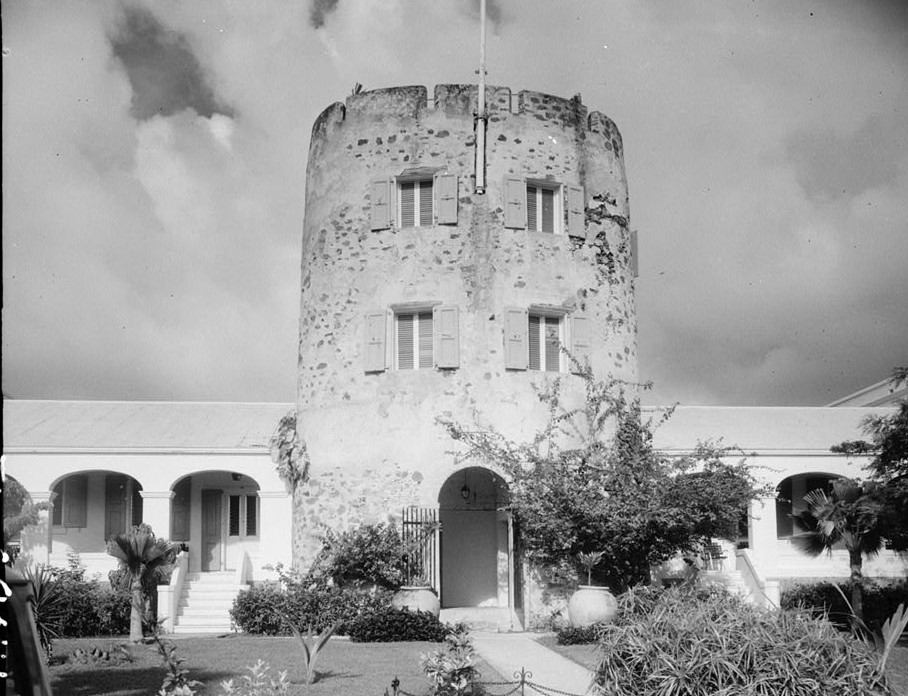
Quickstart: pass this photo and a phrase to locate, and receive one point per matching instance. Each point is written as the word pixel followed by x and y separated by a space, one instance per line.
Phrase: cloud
pixel 165 74
pixel 830 164
pixel 319 11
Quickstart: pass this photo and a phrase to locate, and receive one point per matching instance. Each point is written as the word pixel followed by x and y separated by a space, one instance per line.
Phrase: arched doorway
pixel 215 515
pixel 790 499
pixel 476 540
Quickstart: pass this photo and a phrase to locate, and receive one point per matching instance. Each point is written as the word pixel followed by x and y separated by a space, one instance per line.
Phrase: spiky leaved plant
pixel 310 646
pixel 144 558
pixel 851 515
pixel 588 561
pixel 47 606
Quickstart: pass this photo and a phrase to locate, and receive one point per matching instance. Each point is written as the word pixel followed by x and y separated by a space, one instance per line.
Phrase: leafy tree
pixel 19 511
pixel 850 515
pixel 145 559
pixel 889 444
pixel 591 481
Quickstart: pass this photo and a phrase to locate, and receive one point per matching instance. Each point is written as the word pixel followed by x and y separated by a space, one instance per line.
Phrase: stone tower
pixel 421 298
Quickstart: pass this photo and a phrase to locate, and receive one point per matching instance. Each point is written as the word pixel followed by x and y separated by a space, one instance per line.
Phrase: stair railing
pixel 169 595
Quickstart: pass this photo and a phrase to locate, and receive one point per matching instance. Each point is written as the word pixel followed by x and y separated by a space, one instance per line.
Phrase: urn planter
pixel 417 598
pixel 590 605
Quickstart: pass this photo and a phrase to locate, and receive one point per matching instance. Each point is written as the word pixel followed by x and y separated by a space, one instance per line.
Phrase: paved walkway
pixel 508 652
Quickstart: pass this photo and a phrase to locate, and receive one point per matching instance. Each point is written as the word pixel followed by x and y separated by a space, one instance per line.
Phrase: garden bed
pixel 588 656
pixel 345 667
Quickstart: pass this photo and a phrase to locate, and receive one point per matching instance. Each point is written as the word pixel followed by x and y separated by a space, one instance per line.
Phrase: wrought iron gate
pixel 420 532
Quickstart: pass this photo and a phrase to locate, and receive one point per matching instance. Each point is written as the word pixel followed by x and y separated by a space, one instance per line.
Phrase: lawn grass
pixel 344 667
pixel 588 656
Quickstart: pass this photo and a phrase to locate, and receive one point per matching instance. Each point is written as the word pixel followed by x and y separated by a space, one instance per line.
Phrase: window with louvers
pixel 544 337
pixel 416 199
pixel 414 341
pixel 234 519
pixel 251 516
pixel 541 209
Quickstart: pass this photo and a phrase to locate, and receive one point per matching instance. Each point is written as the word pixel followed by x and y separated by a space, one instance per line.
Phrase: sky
pixel 154 160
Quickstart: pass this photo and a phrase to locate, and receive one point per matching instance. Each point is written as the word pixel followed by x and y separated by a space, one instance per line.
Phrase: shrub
pixel 711 642
pixel 258 682
pixel 569 635
pixel 452 670
pixel 880 601
pixel 259 609
pixel 389 625
pixel 366 555
pixel 88 608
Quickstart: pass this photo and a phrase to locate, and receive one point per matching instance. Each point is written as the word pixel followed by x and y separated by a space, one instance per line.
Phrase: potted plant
pixel 417 595
pixel 591 604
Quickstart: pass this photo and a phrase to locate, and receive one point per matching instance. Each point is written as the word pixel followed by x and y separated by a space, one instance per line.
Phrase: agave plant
pixel 144 558
pixel 47 605
pixel 310 646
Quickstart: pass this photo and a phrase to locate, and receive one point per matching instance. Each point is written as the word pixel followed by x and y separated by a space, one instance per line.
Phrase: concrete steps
pixel 499 619
pixel 731 579
pixel 205 603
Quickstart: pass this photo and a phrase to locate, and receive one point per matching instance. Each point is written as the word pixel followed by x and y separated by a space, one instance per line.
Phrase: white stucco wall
pixel 157 472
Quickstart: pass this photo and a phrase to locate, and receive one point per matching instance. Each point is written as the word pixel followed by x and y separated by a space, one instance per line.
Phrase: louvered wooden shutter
pixel 515 200
pixel 381 208
pixel 408 203
pixel 233 516
pixel 515 338
pixel 447 337
pixel 426 341
pixel 552 344
pixel 635 268
pixel 575 213
pixel 426 199
pixel 405 349
pixel 252 515
pixel 580 342
pixel 534 346
pixel 547 214
pixel 75 502
pixel 446 199
pixel 374 353
pixel 532 209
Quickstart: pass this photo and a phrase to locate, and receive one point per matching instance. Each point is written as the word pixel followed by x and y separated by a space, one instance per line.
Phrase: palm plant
pixel 851 516
pixel 144 558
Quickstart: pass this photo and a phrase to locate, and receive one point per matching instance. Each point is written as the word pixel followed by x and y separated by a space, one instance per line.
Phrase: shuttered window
pixel 446 325
pixel 374 348
pixel 542 208
pixel 515 338
pixel 234 516
pixel 415 202
pixel 179 510
pixel 242 514
pixel 445 199
pixel 414 341
pixel 544 342
pixel 576 216
pixel 381 208
pixel 252 515
pixel 71 503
